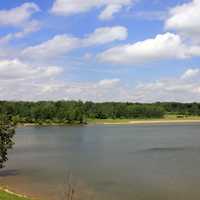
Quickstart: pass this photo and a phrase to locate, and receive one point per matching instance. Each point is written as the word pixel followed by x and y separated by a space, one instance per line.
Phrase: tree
pixel 7 132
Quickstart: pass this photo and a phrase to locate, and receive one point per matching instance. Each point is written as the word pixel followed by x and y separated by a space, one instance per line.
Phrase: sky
pixel 100 50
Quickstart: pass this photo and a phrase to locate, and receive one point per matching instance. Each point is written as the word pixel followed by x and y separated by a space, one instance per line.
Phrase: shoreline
pixel 153 122
pixel 8 191
pixel 119 122
pixel 45 124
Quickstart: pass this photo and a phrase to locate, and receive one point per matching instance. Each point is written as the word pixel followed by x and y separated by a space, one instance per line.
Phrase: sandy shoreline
pixel 4 189
pixel 152 122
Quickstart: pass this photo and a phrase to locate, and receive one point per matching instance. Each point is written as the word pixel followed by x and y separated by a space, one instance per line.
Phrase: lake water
pixel 160 162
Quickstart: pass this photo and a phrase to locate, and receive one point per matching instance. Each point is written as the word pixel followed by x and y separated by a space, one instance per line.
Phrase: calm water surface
pixel 159 162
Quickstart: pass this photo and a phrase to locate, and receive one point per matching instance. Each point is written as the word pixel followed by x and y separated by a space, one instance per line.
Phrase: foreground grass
pixel 7 196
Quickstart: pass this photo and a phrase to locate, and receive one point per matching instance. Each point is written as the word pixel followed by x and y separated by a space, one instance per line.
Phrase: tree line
pixel 79 112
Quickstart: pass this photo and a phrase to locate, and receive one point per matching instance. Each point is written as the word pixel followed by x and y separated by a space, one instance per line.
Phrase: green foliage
pixel 6 135
pixel 77 112
pixel 70 112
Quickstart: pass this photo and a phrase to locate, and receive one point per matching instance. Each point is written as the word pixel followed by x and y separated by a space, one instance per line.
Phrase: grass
pixel 7 196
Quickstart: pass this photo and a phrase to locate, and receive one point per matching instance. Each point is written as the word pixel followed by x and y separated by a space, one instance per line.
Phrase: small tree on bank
pixel 7 132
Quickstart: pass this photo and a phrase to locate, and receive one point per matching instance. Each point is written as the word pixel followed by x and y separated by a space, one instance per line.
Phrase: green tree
pixel 7 132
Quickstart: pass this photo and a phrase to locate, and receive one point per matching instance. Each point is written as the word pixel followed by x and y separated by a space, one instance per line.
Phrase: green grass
pixel 7 196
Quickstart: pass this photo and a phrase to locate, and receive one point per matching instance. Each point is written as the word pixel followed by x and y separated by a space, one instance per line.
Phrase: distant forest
pixel 79 112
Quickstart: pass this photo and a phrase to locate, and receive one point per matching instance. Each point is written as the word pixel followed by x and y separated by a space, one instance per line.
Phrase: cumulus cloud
pixel 105 35
pixel 45 84
pixel 109 11
pixel 166 46
pixel 19 17
pixel 29 28
pixel 17 70
pixel 71 7
pixel 109 83
pixel 62 44
pixel 183 88
pixel 25 80
pixel 191 74
pixel 58 45
pixel 103 90
pixel 185 44
pixel 185 19
pixel 44 88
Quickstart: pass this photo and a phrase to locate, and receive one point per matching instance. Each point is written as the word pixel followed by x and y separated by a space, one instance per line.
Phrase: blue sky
pixel 100 50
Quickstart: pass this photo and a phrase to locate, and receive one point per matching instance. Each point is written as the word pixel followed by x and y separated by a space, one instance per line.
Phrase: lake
pixel 159 162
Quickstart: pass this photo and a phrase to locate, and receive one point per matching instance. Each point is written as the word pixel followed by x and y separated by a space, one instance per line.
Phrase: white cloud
pixel 109 11
pixel 182 89
pixel 194 50
pixel 103 90
pixel 5 52
pixel 26 81
pixel 71 7
pixel 191 73
pixel 155 15
pixel 105 35
pixel 17 70
pixel 62 44
pixel 29 28
pixel 185 19
pixel 54 47
pixel 45 84
pixel 17 16
pixel 166 46
pixel 109 83
pixel 44 88
pixel 30 82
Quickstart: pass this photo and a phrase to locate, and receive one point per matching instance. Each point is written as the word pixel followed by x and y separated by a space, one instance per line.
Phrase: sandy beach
pixel 152 122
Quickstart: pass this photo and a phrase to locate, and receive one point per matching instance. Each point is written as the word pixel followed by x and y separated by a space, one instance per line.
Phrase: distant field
pixel 7 196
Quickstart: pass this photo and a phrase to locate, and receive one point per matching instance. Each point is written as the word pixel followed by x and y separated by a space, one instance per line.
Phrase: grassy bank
pixel 10 196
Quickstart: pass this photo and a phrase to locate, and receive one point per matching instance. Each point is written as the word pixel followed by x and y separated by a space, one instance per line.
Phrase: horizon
pixel 97 102
pixel 102 51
